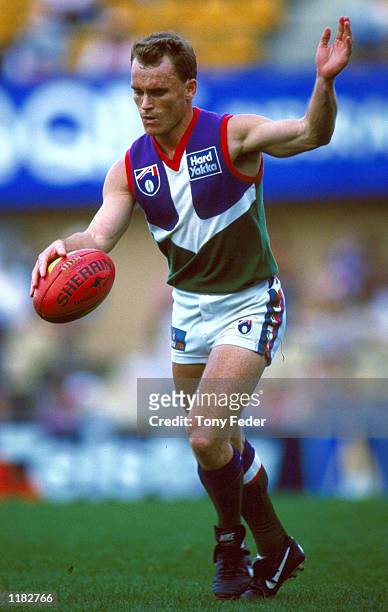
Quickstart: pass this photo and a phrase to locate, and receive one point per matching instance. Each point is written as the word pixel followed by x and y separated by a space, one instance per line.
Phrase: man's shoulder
pixel 140 143
pixel 142 138
pixel 211 115
pixel 117 173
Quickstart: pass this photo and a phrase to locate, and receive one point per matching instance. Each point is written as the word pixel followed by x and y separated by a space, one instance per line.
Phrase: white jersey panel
pixel 191 232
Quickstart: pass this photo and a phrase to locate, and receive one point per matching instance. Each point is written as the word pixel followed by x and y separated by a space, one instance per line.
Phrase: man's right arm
pixel 250 134
pixel 105 229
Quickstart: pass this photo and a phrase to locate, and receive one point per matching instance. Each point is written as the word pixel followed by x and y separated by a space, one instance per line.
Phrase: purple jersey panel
pixel 151 185
pixel 214 188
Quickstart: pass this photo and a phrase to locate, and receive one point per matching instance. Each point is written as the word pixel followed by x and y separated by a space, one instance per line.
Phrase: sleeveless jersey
pixel 206 217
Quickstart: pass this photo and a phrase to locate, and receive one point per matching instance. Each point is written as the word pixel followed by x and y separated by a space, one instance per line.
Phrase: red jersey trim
pixel 229 162
pixel 175 162
pixel 129 172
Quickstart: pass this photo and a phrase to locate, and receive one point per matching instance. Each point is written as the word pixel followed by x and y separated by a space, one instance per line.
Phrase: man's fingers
pixel 34 280
pixel 61 250
pixel 57 249
pixel 325 38
pixel 347 31
pixel 42 259
pixel 348 37
pixel 341 27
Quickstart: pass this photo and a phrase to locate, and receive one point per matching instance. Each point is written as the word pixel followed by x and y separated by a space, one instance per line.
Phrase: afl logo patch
pixel 148 179
pixel 244 327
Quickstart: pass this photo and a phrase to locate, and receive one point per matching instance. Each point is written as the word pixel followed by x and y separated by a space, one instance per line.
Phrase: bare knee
pixel 203 446
pixel 211 453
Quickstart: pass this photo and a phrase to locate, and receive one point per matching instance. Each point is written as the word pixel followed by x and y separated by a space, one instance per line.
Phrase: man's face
pixel 160 96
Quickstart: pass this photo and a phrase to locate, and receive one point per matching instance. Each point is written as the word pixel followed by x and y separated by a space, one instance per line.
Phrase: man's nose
pixel 146 102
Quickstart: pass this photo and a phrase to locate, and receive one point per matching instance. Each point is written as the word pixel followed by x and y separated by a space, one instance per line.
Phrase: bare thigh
pixel 230 370
pixel 187 376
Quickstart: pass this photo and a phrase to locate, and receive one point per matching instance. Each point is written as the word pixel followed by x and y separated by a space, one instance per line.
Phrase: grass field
pixel 157 556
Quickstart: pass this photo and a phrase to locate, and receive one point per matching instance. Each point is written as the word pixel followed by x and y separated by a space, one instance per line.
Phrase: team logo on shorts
pixel 148 179
pixel 178 339
pixel 203 163
pixel 244 327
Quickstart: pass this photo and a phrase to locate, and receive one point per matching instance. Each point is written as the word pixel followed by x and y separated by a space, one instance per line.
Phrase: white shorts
pixel 254 318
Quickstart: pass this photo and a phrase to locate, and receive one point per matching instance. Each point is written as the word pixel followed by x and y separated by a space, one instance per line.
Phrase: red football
pixel 74 285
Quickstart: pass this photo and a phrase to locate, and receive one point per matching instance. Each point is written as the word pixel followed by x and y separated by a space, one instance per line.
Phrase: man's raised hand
pixel 332 59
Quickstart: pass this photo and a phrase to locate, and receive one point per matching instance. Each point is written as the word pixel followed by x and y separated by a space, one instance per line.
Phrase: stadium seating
pixel 223 32
pixel 12 17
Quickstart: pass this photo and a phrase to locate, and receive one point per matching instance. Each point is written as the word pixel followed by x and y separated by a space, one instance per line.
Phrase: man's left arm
pixel 253 134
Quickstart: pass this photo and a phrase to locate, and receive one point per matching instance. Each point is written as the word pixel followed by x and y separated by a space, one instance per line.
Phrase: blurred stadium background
pixel 67 393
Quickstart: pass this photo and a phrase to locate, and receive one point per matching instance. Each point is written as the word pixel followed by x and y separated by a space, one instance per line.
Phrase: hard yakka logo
pixel 203 163
pixel 80 277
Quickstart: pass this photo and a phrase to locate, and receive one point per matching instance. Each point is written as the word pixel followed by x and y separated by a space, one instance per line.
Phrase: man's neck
pixel 169 142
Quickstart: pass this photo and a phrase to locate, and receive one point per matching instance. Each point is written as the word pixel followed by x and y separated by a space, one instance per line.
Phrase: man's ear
pixel 191 89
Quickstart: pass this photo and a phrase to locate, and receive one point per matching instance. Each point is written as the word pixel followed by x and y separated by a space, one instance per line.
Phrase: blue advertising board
pixel 58 138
